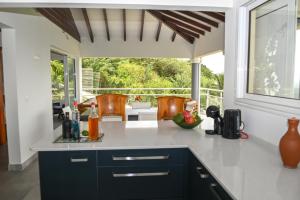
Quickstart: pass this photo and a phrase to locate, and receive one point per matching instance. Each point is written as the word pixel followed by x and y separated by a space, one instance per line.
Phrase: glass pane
pixel 297 60
pixel 72 80
pixel 57 77
pixel 271 67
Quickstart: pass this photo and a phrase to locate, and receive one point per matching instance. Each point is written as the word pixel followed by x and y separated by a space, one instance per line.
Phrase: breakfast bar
pixel 156 159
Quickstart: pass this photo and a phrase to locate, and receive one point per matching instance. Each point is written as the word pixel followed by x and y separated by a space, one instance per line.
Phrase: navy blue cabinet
pixel 144 174
pixel 68 175
pixel 202 186
pixel 152 174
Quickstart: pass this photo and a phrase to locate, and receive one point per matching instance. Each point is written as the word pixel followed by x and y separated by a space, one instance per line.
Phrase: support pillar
pixel 196 80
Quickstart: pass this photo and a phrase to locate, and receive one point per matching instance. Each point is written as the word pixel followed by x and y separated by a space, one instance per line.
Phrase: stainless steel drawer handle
pixel 141 158
pixel 199 168
pixel 204 176
pixel 213 190
pixel 141 174
pixel 79 160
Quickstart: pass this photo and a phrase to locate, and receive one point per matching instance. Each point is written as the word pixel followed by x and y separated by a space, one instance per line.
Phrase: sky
pixel 214 62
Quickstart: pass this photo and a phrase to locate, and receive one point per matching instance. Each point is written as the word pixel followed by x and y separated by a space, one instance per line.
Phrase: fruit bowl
pixel 179 120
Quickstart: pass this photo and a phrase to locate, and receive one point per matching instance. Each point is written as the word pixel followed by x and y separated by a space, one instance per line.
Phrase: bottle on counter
pixel 75 121
pixel 93 123
pixel 67 127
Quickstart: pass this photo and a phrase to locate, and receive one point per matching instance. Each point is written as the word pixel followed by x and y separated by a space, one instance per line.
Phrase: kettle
pixel 232 123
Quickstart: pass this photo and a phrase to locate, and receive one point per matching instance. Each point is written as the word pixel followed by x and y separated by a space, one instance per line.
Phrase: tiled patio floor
pixel 18 185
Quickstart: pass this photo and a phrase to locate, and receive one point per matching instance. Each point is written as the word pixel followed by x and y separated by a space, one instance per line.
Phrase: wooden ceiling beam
pixel 106 23
pixel 158 16
pixel 173 37
pixel 71 21
pixel 201 18
pixel 187 32
pixel 63 18
pixel 87 22
pixel 214 15
pixel 124 24
pixel 186 19
pixel 142 25
pixel 158 31
pixel 180 23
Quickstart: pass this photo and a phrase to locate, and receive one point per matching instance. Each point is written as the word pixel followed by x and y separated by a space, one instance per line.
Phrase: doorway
pixel 3 137
pixel 63 77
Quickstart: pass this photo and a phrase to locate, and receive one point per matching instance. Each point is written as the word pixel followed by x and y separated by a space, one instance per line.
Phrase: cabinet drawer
pixel 141 157
pixel 151 182
pixel 68 175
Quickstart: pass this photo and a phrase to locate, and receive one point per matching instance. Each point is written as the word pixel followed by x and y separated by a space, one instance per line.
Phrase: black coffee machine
pixel 229 126
pixel 232 124
pixel 214 112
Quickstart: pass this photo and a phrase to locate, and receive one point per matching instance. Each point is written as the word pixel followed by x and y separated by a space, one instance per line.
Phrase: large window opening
pixel 144 79
pixel 273 68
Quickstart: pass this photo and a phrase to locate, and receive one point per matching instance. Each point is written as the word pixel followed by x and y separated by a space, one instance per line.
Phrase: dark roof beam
pixel 215 15
pixel 106 24
pixel 142 25
pixel 158 31
pixel 188 38
pixel 124 24
pixel 88 25
pixel 180 23
pixel 201 18
pixel 186 20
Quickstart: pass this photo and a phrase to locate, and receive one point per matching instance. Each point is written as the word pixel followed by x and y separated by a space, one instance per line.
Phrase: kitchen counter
pixel 247 169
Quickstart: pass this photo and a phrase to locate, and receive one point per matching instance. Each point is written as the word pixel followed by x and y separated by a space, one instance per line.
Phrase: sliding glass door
pixel 71 80
pixel 63 77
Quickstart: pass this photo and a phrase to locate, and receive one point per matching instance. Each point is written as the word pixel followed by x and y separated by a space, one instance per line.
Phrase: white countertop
pixel 247 169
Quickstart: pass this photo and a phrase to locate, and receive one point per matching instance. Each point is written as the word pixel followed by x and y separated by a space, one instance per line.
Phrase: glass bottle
pixel 75 122
pixel 67 125
pixel 93 122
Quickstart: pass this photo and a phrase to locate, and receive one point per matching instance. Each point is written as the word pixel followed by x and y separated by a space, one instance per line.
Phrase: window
pixel 273 68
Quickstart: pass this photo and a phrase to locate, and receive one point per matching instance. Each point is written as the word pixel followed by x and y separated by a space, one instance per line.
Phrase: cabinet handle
pixel 141 174
pixel 79 160
pixel 212 188
pixel 202 175
pixel 141 158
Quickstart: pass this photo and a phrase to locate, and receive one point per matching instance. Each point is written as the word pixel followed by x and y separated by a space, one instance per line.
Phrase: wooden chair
pixel 169 106
pixel 111 104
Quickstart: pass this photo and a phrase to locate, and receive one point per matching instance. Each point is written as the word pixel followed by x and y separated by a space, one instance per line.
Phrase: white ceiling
pixel 115 23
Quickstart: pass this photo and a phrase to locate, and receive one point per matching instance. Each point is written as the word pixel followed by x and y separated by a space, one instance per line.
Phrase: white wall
pixel 210 43
pixel 262 119
pixel 27 80
pixel 135 48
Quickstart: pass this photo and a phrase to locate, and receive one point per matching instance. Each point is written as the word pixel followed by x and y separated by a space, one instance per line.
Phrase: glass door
pixel 72 80
pixel 63 77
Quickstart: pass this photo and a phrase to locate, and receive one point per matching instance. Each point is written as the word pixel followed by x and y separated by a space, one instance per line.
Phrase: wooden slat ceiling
pixel 188 25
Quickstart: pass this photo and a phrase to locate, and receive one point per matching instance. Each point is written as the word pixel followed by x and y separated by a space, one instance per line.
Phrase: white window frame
pixel 267 103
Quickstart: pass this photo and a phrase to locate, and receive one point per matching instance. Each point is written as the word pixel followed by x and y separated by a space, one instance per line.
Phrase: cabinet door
pixel 141 183
pixel 68 175
pixel 198 181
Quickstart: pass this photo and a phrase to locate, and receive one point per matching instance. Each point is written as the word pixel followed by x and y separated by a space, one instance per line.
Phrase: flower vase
pixel 289 145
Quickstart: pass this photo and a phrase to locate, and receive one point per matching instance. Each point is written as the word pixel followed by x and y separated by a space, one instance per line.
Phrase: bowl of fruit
pixel 189 119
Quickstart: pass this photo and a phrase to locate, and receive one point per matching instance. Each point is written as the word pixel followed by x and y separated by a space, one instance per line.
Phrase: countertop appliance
pixel 232 124
pixel 214 112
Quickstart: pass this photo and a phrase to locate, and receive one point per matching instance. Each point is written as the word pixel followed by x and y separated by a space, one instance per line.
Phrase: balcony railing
pixel 208 96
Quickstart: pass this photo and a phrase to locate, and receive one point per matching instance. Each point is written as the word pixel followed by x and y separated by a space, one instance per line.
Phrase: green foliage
pixel 149 72
pixel 57 77
pixel 211 80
